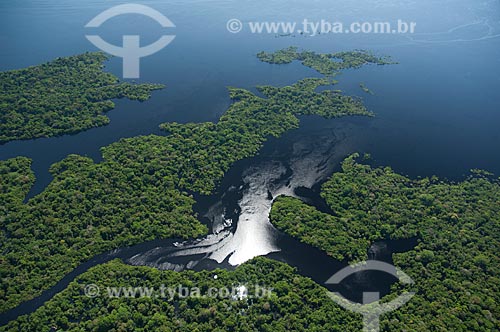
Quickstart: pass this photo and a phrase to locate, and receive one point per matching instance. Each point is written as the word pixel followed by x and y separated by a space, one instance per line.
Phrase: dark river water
pixel 437 111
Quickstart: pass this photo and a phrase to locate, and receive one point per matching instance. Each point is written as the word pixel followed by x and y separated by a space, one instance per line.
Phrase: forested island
pixel 365 88
pixel 455 265
pixel 64 96
pixel 139 192
pixel 328 64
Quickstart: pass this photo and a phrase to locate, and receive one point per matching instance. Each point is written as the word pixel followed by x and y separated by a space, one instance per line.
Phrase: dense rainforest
pixel 295 303
pixel 141 190
pixel 455 265
pixel 64 96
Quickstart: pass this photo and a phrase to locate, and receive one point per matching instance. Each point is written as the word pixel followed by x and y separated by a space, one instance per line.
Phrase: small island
pixel 328 64
pixel 365 88
pixel 64 96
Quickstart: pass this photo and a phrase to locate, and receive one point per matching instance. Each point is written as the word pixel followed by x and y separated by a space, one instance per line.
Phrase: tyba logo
pixel 371 309
pixel 131 51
